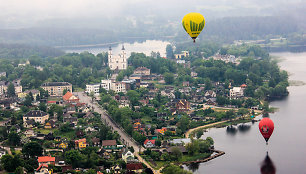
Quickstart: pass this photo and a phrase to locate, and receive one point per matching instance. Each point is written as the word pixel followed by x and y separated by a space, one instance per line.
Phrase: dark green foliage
pixel 32 149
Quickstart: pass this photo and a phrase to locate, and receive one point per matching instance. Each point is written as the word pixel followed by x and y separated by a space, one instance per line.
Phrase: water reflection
pixel 243 128
pixel 267 166
pixel 231 130
pixel 193 166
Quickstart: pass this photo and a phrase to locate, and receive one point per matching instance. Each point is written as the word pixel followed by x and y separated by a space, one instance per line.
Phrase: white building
pixel 236 92
pixel 4 86
pixel 117 62
pixel 93 88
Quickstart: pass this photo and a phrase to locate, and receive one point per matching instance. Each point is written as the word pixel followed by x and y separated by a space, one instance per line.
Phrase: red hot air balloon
pixel 266 127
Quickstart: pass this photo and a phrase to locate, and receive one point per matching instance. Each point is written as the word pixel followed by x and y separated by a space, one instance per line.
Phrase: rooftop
pixel 56 84
pixel 36 113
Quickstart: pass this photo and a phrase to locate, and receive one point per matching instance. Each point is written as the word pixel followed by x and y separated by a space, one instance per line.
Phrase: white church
pixel 117 62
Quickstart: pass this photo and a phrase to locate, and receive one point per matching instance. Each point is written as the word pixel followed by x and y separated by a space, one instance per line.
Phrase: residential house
pixel 128 156
pixel 161 131
pixel 96 141
pixel 63 145
pixel 34 92
pixel 2 152
pixel 50 124
pixel 236 92
pixel 69 97
pixel 109 144
pixel 142 70
pixel 179 142
pixel 29 133
pixel 67 118
pixel 210 94
pixel 4 85
pixel 186 83
pixel 90 129
pixel 134 167
pixel 42 169
pixel 182 55
pixel 56 88
pixel 116 169
pixel 46 160
pixel 2 74
pixel 182 105
pixel 37 115
pixel 149 143
pixel 81 143
pixel 79 133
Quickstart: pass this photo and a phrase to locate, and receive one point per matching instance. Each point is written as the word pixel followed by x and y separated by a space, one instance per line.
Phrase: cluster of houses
pixel 227 58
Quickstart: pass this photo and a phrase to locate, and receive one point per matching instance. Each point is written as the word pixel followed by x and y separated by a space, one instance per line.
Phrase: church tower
pixel 117 62
pixel 110 56
pixel 124 58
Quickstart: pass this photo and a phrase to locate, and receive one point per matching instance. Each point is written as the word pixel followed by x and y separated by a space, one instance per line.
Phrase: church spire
pixel 123 47
pixel 110 48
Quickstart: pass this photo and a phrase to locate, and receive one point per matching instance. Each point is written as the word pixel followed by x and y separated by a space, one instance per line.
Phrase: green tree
pixel 199 133
pixel 203 146
pixel 11 90
pixel 28 100
pixel 165 156
pixel 173 169
pixel 65 91
pixel 176 154
pixel 169 78
pixel 19 170
pixel 42 106
pixel 13 139
pixel 32 149
pixel 10 163
pixel 133 97
pixel 74 158
pixel 169 52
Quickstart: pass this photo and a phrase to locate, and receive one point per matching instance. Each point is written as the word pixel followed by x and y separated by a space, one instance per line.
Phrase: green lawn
pixel 194 157
pixel 45 131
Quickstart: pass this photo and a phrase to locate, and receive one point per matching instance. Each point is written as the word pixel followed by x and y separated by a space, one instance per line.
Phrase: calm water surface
pixel 145 47
pixel 245 147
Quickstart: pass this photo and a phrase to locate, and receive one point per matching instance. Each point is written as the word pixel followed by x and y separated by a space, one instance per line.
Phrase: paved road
pixel 125 138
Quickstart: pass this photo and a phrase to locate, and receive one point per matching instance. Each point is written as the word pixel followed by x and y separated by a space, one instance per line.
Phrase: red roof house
pixel 46 160
pixel 149 143
pixel 135 167
pixel 69 97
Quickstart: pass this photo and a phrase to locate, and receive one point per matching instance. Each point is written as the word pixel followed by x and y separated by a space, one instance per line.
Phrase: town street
pixel 125 138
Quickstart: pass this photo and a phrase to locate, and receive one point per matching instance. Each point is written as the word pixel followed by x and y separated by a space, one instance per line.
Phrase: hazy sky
pixel 27 13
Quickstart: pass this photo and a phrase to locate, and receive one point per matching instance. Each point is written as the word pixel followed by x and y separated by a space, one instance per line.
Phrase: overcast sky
pixel 29 13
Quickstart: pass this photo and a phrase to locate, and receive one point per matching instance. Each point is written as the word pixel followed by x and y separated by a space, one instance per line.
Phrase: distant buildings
pixel 236 92
pixel 37 116
pixel 56 88
pixel 182 55
pixel 4 85
pixel 117 62
pixel 142 70
pixel 93 88
pixel 2 74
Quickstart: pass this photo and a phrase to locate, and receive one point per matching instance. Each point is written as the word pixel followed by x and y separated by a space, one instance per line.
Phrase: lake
pixel 140 47
pixel 245 148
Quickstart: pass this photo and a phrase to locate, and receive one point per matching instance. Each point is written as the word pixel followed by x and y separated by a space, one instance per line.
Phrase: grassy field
pixel 194 157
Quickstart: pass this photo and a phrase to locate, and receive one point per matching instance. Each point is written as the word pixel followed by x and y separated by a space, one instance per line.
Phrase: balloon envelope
pixel 266 127
pixel 193 24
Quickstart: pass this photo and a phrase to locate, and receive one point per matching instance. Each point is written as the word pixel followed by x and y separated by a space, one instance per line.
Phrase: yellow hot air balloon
pixel 193 24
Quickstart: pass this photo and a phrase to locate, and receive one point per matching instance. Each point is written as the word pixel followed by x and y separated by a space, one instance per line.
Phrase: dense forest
pixel 222 29
pixel 17 51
